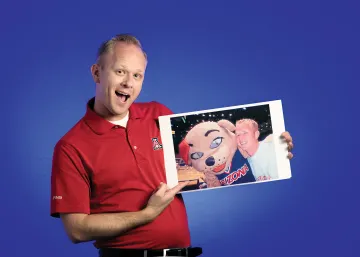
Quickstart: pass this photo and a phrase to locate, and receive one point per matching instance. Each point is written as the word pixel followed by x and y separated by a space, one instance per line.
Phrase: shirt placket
pixel 135 143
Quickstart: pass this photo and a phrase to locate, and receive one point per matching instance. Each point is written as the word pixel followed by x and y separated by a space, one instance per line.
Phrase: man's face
pixel 246 135
pixel 119 79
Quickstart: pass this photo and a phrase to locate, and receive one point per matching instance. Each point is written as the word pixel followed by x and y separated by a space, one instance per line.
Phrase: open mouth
pixel 122 96
pixel 243 143
pixel 219 167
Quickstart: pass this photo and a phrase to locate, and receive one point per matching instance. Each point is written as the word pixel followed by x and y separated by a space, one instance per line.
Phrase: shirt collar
pixel 100 125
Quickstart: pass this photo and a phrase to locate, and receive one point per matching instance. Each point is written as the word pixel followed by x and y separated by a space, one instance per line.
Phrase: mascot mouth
pixel 219 167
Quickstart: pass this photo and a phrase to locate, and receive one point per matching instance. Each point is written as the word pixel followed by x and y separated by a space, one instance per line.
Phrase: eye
pixel 137 76
pixel 216 142
pixel 120 72
pixel 196 155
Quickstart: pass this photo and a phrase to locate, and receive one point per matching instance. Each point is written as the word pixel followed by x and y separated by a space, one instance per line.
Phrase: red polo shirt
pixel 99 167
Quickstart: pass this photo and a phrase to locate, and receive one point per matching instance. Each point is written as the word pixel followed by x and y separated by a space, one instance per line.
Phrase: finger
pixel 286 136
pixel 290 156
pixel 180 186
pixel 157 189
pixel 177 188
pixel 290 146
pixel 162 189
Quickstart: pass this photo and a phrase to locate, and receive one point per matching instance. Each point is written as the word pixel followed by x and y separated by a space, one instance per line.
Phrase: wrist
pixel 148 213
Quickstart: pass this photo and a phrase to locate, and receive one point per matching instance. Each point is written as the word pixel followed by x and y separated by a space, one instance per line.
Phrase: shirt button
pixel 135 147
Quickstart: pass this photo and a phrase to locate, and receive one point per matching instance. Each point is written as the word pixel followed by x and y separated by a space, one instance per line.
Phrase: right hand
pixel 162 197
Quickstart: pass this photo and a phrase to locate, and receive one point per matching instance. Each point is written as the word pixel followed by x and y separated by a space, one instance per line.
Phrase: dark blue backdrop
pixel 203 54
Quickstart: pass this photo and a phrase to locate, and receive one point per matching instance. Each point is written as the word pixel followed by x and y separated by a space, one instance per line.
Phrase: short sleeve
pixel 70 187
pixel 163 109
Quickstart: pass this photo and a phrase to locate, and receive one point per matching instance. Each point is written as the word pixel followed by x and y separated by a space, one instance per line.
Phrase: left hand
pixel 288 139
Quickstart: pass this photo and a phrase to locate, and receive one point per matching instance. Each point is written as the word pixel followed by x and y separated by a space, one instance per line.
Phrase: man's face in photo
pixel 246 135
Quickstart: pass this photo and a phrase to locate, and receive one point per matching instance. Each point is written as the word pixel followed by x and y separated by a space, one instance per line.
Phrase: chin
pixel 119 110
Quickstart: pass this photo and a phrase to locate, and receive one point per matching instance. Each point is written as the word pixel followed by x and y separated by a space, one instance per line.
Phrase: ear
pixel 95 72
pixel 227 125
pixel 257 134
pixel 184 151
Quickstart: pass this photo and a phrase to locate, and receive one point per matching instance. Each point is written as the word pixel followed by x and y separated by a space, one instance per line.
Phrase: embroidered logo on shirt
pixel 156 144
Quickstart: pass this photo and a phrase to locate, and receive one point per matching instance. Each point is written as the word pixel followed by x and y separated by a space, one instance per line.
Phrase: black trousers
pixel 183 252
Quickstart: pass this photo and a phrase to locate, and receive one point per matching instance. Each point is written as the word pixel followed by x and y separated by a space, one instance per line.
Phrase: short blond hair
pixel 250 122
pixel 108 45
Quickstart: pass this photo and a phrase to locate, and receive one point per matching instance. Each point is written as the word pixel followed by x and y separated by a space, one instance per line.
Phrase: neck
pixel 102 111
pixel 252 150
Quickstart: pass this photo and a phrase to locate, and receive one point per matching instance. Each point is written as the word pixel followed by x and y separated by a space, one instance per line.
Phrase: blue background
pixel 203 54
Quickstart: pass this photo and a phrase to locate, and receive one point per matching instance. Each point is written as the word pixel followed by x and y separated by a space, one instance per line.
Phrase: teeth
pixel 121 93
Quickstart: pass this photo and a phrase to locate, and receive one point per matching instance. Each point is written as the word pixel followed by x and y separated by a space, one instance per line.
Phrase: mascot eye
pixel 196 155
pixel 216 142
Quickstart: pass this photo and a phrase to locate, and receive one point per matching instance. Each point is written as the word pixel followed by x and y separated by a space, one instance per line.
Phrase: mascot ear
pixel 184 150
pixel 227 125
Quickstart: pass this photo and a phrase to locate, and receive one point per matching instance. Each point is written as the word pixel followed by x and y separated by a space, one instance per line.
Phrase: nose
pixel 210 161
pixel 128 81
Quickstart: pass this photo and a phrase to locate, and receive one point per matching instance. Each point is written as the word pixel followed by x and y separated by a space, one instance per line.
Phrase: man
pixel 260 155
pixel 107 176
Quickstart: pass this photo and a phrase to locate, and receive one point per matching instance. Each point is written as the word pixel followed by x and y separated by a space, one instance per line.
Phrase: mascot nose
pixel 210 161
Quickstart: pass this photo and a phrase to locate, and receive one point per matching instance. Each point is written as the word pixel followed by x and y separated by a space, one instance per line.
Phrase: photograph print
pixel 225 147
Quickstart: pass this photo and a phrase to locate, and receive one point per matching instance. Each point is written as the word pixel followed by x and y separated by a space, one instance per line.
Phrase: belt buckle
pixel 164 252
pixel 163 255
pixel 179 250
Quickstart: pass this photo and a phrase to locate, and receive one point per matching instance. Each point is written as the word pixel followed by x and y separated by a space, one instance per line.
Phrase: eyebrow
pixel 211 130
pixel 126 68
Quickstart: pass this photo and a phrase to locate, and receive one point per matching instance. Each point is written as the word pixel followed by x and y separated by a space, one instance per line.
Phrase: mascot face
pixel 210 146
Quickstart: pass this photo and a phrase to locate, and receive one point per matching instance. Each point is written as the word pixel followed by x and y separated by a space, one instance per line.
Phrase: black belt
pixel 184 252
